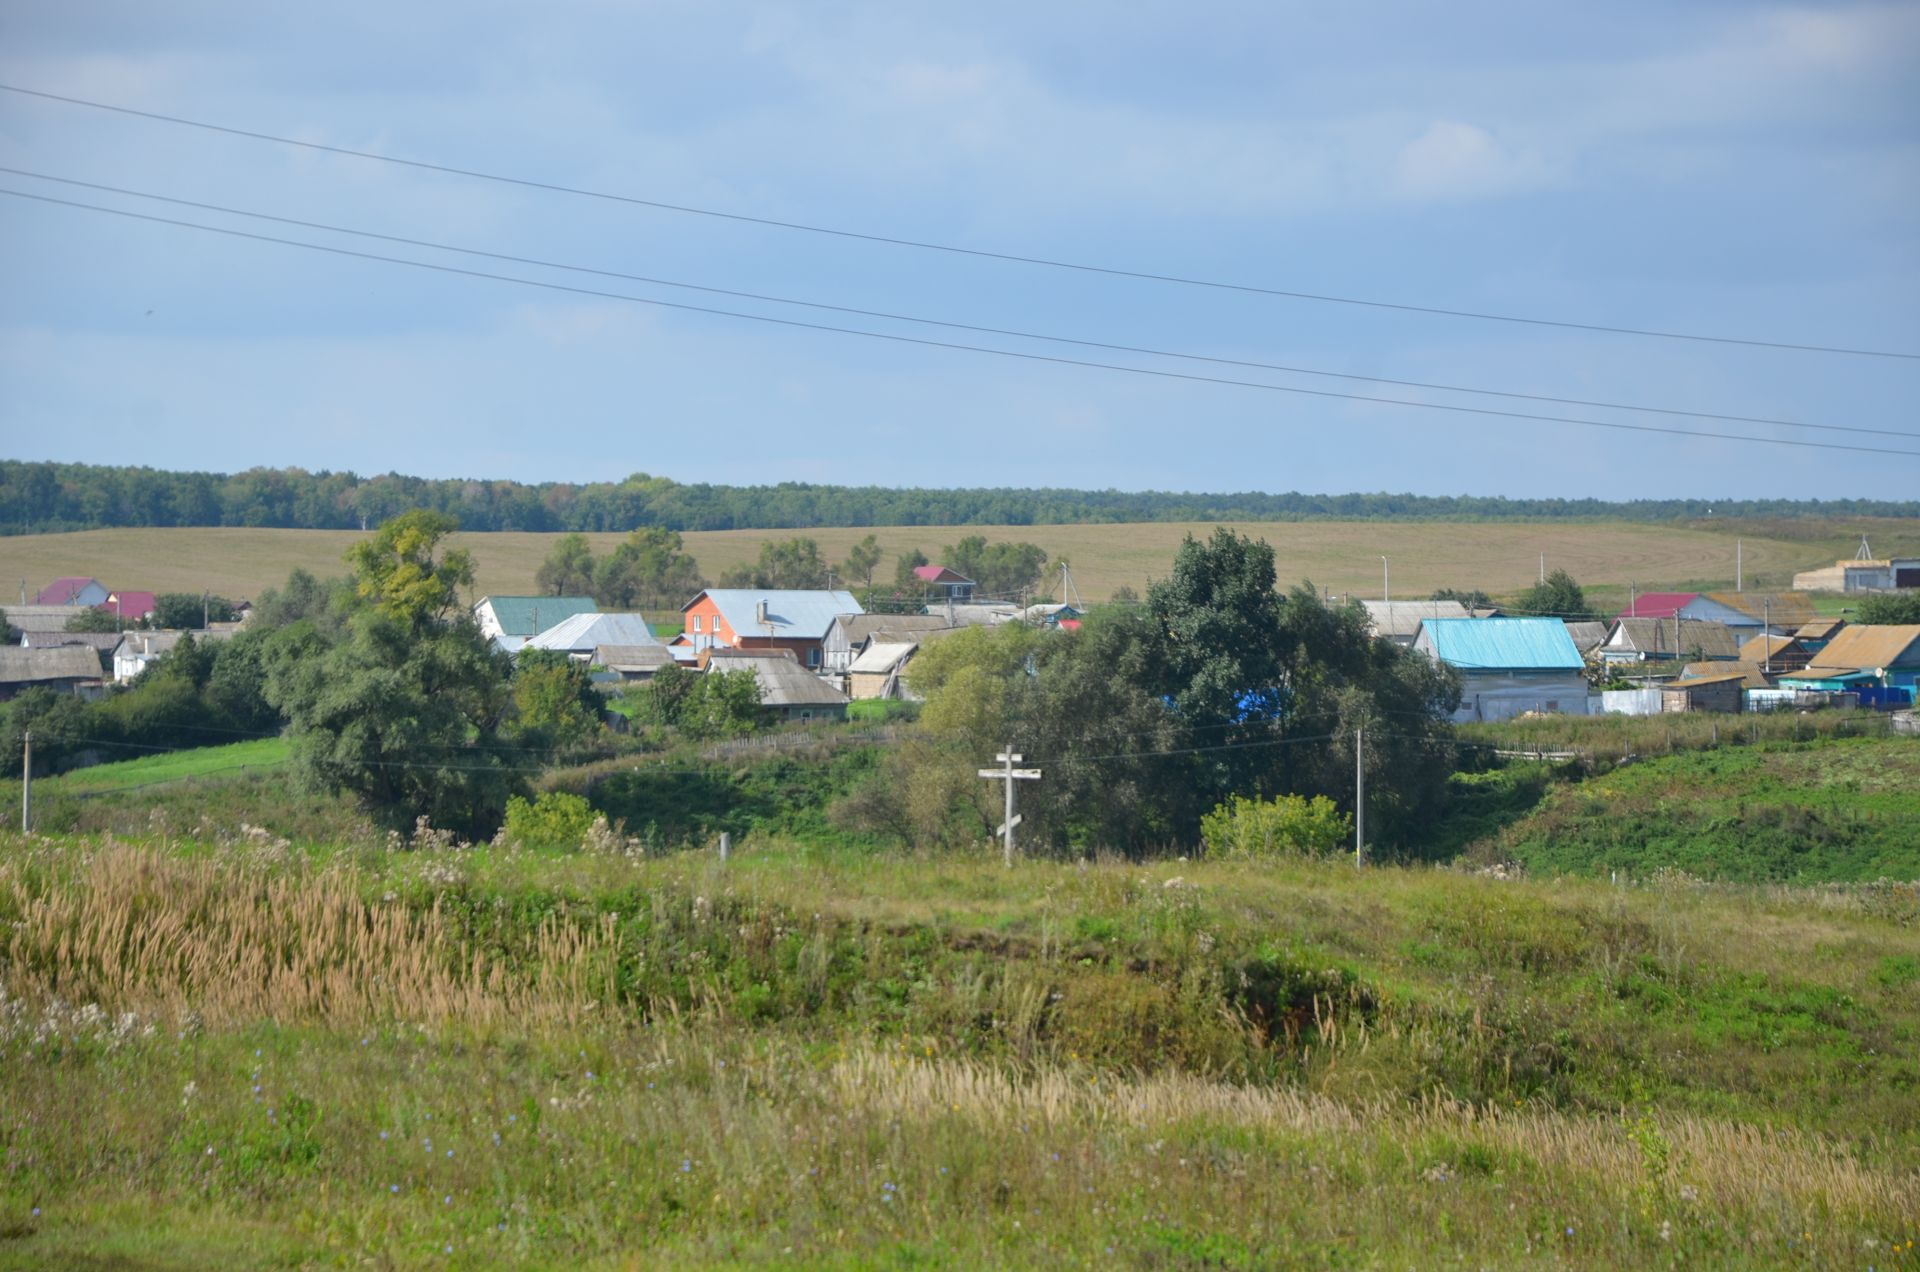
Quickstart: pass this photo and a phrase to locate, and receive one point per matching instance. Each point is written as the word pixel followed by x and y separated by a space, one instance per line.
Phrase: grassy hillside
pixel 1844 809
pixel 1343 556
pixel 216 1058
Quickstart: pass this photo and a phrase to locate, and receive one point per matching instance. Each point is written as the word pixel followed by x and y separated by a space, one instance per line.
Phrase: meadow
pixel 1499 557
pixel 223 1056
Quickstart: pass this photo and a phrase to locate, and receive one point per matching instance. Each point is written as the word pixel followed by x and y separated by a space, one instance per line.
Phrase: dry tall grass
pixel 142 929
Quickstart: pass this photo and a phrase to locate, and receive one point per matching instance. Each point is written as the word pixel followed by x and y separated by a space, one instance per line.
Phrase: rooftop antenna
pixel 1067 588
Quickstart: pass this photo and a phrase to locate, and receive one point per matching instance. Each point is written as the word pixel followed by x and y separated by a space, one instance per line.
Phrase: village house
pixel 945 584
pixel 1863 574
pixel 789 693
pixel 1744 613
pixel 849 634
pixel 35 620
pixel 1399 621
pixel 71 669
pixel 83 592
pixel 1879 662
pixel 1814 636
pixel 510 621
pixel 1723 691
pixel 1587 636
pixel 763 619
pixel 1674 637
pixel 630 664
pixel 1052 614
pixel 1776 653
pixel 579 635
pixel 136 651
pixel 1508 666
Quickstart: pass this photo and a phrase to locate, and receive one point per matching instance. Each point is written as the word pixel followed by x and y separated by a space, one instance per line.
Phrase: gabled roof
pixel 1402 618
pixel 154 644
pixel 632 658
pixel 795 614
pixel 1750 673
pixel 1655 636
pixel 1781 609
pixel 62 590
pixel 938 574
pixel 783 681
pixel 1657 604
pixel 859 628
pixel 881 657
pixel 1868 647
pixel 1820 629
pixel 1691 681
pixel 20 665
pixel 1051 610
pixel 1762 647
pixel 531 615
pixel 583 633
pixel 99 642
pixel 1501 644
pixel 130 604
pixel 43 618
pixel 1587 636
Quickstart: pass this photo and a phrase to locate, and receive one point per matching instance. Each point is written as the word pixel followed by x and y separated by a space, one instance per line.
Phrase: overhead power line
pixel 923 342
pixel 936 322
pixel 950 248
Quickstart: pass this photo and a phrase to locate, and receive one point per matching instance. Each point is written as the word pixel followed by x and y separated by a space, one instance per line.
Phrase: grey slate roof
pixel 1401 619
pixel 583 633
pixel 783 681
pixel 632 658
pixel 860 628
pixel 154 644
pixel 1655 636
pixel 794 614
pixel 42 618
pixel 22 666
pixel 99 642
pixel 882 657
pixel 1587 637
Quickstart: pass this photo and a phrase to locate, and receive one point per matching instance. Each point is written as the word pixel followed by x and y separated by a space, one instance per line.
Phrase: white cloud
pixel 1453 160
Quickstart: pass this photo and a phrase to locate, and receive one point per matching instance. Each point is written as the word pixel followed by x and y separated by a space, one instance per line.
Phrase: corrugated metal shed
pixel 795 614
pixel 1506 644
pixel 583 633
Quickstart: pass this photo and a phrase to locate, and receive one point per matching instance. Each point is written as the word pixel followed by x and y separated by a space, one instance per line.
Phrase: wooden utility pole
pixel 1359 797
pixel 1009 774
pixel 26 783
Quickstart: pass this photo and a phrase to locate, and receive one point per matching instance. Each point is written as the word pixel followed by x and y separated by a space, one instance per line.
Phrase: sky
pixel 1737 170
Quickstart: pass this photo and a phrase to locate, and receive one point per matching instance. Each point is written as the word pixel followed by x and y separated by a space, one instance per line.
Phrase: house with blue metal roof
pixel 509 621
pixel 1508 666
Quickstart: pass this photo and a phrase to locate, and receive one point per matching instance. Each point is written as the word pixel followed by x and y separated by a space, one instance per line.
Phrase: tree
pixel 649 569
pixel 862 557
pixel 1001 571
pixel 97 620
pixel 568 569
pixel 1474 599
pixel 176 610
pixel 403 708
pixel 398 572
pixel 555 704
pixel 9 634
pixel 1558 596
pixel 1892 608
pixel 789 563
pixel 903 570
pixel 701 706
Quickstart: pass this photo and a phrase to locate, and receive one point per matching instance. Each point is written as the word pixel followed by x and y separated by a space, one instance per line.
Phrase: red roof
pixel 938 574
pixel 62 590
pixel 130 604
pixel 1658 604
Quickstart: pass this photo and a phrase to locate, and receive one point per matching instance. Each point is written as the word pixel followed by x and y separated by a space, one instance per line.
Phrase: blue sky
pixel 1730 169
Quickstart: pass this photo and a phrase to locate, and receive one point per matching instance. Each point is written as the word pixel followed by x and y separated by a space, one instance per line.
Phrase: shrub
pixel 555 820
pixel 1291 824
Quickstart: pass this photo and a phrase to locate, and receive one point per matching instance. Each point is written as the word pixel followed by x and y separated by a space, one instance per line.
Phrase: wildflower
pixel 393 1188
pixel 36 1212
pixel 686 1165
pixel 383 1135
pixel 447 1200
pixel 449 1247
pixel 496 1137
pixel 449 1152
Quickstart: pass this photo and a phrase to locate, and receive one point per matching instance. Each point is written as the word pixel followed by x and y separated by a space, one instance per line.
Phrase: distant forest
pixel 38 498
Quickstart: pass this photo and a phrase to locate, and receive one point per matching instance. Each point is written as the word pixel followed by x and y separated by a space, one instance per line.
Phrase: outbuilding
pixel 1508 666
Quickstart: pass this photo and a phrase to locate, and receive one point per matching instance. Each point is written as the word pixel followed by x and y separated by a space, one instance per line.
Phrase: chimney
pixel 760 612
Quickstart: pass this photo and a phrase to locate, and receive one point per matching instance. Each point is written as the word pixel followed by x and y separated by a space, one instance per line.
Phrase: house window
pixel 813 658
pixel 696 622
pixel 806 715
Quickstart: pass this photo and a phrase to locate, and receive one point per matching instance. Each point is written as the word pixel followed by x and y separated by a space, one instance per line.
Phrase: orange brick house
pixel 760 618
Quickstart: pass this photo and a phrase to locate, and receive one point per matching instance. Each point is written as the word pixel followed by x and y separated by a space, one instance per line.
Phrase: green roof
pixel 531 615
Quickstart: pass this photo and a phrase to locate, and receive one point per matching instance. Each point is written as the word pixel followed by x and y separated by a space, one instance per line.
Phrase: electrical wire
pixel 949 248
pixel 937 322
pixel 923 342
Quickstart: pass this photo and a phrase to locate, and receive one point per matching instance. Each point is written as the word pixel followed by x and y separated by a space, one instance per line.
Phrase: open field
pixel 123 776
pixel 220 1057
pixel 1343 556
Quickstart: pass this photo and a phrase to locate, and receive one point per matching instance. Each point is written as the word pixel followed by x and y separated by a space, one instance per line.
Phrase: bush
pixel 1289 825
pixel 555 820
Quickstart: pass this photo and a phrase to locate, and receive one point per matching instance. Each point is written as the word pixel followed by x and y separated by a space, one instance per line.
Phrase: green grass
pixel 170 766
pixel 848 1059
pixel 1839 809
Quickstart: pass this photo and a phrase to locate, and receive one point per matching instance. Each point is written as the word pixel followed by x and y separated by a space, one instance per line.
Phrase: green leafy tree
pixel 903 571
pixel 722 705
pixel 649 569
pixel 1473 599
pixel 862 558
pixel 403 572
pixel 555 820
pixel 177 610
pixel 1291 825
pixel 324 602
pixel 405 708
pixel 97 620
pixel 555 704
pixel 1557 596
pixel 1891 608
pixel 9 634
pixel 789 563
pixel 1000 571
pixel 568 569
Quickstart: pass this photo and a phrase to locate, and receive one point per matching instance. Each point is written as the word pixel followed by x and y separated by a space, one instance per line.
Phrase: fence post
pixel 726 846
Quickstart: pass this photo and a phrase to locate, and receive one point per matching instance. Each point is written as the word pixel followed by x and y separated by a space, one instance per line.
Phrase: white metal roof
pixel 583 633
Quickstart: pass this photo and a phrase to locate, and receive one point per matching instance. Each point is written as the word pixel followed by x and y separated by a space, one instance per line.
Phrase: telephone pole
pixel 1009 774
pixel 26 783
pixel 1386 586
pixel 1359 797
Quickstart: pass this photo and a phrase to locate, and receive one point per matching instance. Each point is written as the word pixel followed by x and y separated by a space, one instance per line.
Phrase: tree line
pixel 43 497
